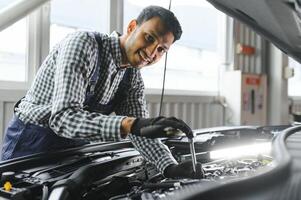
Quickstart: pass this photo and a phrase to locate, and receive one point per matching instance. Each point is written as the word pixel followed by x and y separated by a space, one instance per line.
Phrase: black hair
pixel 168 18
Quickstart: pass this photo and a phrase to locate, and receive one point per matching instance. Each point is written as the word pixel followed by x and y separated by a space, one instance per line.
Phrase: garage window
pixel 68 16
pixel 294 82
pixel 13 52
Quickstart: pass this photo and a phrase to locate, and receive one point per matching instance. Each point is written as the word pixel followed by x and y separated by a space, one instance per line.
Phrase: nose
pixel 152 51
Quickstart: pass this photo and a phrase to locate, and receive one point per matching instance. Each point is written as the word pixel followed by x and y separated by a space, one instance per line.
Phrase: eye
pixel 161 50
pixel 149 38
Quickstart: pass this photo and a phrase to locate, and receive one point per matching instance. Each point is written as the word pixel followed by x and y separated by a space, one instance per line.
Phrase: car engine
pixel 117 171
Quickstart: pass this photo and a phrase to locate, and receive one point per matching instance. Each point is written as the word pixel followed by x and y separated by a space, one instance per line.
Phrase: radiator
pixel 197 112
pixel 296 105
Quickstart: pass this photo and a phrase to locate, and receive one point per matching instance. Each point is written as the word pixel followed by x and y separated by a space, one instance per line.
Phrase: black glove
pixel 160 127
pixel 184 170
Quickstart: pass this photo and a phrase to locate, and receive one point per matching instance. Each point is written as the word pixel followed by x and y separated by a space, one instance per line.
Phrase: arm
pixel 153 150
pixel 75 61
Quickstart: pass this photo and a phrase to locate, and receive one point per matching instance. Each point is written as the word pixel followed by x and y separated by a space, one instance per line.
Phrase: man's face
pixel 147 43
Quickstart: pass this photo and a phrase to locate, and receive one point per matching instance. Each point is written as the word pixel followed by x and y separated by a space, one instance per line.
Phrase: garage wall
pixel 249 63
pixel 296 104
pixel 197 111
pixel 7 101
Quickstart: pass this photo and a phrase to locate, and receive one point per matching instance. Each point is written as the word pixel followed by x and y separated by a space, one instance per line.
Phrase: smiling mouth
pixel 143 57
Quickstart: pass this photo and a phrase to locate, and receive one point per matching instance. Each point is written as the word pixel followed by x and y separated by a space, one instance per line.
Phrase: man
pixel 86 77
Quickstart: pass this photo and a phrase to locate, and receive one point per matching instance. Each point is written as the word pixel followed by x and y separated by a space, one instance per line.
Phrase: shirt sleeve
pixel 153 150
pixel 75 60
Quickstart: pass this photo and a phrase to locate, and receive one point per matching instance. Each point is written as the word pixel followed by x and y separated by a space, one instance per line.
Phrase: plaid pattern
pixel 58 92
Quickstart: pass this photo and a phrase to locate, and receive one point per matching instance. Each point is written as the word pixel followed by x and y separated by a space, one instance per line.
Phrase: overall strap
pixel 120 95
pixel 123 88
pixel 90 97
pixel 91 103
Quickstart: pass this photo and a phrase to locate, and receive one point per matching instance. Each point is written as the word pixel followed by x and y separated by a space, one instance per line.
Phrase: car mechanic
pixel 86 77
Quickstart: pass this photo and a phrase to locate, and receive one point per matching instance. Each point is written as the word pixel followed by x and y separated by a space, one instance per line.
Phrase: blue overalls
pixel 24 139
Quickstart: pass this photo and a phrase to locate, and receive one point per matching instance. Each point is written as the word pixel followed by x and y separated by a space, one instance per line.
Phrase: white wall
pixel 197 111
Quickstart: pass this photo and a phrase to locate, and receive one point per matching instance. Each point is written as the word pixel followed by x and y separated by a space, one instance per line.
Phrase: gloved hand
pixel 160 127
pixel 184 170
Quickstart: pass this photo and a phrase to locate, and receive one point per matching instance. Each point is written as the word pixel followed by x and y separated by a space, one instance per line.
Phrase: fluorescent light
pixel 247 150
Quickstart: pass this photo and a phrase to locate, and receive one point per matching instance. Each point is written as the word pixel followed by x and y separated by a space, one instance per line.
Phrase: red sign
pixel 245 49
pixel 253 81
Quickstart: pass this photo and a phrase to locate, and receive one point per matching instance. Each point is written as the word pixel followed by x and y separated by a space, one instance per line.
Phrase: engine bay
pixel 118 171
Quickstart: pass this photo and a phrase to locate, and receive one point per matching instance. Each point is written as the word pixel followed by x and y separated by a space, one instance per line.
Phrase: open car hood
pixel 278 21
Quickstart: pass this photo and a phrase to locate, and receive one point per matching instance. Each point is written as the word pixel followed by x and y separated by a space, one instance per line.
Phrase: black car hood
pixel 278 21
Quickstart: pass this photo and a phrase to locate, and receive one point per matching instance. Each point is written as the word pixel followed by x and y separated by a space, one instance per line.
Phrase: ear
pixel 132 26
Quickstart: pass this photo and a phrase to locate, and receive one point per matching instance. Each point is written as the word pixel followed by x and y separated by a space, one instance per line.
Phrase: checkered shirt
pixel 56 97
